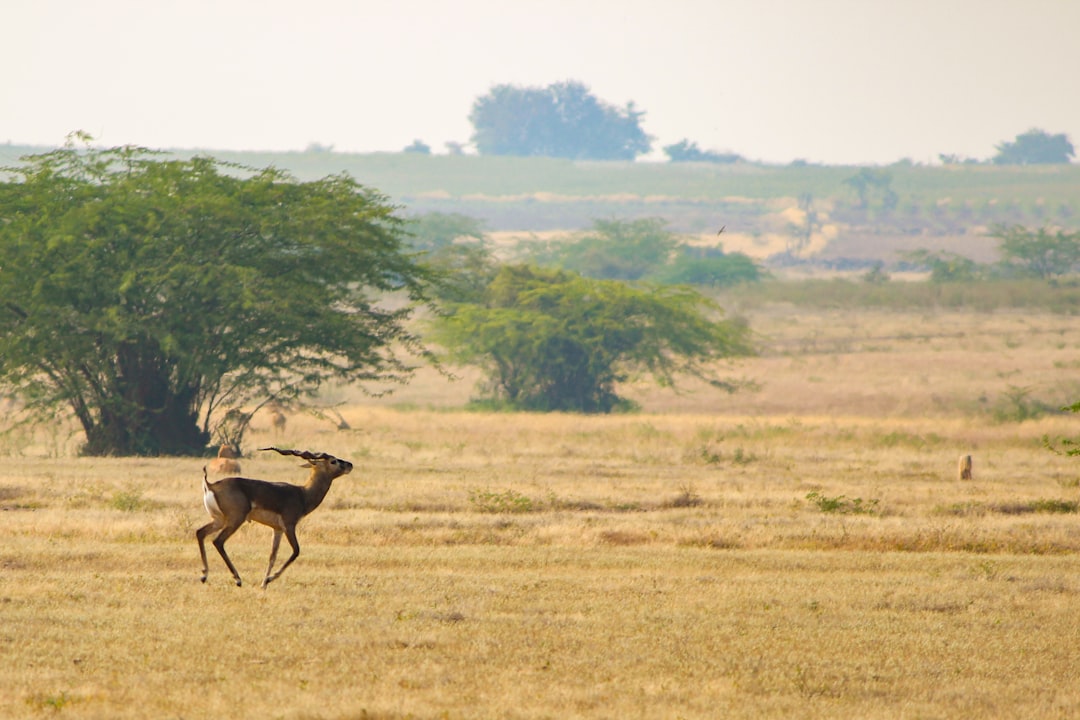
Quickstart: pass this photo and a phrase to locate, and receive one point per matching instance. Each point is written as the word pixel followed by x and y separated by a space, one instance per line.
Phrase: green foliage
pixel 501 503
pixel 984 296
pixel 1054 506
pixel 710 267
pixel 553 340
pixel 143 294
pixel 646 249
pixel 453 246
pixel 945 267
pixel 435 230
pixel 1016 405
pixel 1039 253
pixel 876 275
pixel 1035 147
pixel 563 120
pixel 842 505
pixel 870 184
pixel 686 151
pixel 615 249
pixel 1064 446
pixel 55 703
pixel 128 500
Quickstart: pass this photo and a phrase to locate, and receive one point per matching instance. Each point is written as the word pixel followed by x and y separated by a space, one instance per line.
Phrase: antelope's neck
pixel 315 490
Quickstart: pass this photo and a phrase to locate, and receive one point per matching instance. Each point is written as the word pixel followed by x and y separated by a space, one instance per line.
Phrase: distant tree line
pixel 1034 147
pixel 686 151
pixel 1041 253
pixel 566 120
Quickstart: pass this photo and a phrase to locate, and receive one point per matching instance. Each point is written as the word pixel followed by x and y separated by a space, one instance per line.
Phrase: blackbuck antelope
pixel 232 500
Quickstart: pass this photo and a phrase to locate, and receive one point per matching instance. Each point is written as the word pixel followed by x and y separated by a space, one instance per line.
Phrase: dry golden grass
pixel 805 551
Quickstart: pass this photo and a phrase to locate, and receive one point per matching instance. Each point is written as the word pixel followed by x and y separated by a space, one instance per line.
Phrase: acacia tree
pixel 143 294
pixel 553 340
pixel 1041 253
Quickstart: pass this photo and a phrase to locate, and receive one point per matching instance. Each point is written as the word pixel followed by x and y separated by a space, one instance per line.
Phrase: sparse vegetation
pixel 507 501
pixel 842 505
pixel 781 553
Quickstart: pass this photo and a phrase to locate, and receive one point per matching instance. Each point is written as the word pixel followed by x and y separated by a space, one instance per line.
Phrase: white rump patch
pixel 210 501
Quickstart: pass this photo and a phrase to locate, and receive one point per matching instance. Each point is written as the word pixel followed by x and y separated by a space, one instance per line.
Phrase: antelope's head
pixel 332 466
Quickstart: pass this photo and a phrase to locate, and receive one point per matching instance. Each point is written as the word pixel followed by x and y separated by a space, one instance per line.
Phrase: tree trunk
pixel 145 415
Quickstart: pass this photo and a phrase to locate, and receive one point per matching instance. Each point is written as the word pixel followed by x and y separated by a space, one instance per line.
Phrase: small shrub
pixel 128 500
pixel 743 458
pixel 56 703
pixel 710 456
pixel 488 501
pixel 1016 405
pixel 686 498
pixel 841 505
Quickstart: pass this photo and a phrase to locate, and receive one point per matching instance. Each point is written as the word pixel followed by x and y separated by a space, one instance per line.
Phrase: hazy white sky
pixel 835 81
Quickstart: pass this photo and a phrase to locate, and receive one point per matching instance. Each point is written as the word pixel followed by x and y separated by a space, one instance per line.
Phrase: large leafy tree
pixel 1041 253
pixel 552 340
pixel 145 295
pixel 1035 147
pixel 562 120
pixel 614 249
pixel 453 245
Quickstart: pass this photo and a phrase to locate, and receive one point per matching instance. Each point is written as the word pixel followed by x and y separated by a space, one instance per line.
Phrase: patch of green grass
pixel 506 502
pixel 899 438
pixel 130 500
pixel 842 505
pixel 56 702
pixel 1030 507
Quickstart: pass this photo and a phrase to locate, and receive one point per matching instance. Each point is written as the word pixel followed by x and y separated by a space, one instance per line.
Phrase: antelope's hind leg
pixel 219 543
pixel 200 535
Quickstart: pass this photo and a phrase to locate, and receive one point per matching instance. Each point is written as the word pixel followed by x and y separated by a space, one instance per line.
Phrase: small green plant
pixel 742 457
pixel 55 703
pixel 510 501
pixel 842 505
pixel 710 456
pixel 1055 506
pixel 128 500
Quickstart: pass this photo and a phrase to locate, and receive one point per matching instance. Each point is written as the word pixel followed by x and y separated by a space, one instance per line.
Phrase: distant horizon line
pixel 321 149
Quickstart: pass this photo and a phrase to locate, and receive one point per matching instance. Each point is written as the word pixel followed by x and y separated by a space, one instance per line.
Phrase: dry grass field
pixel 802 551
